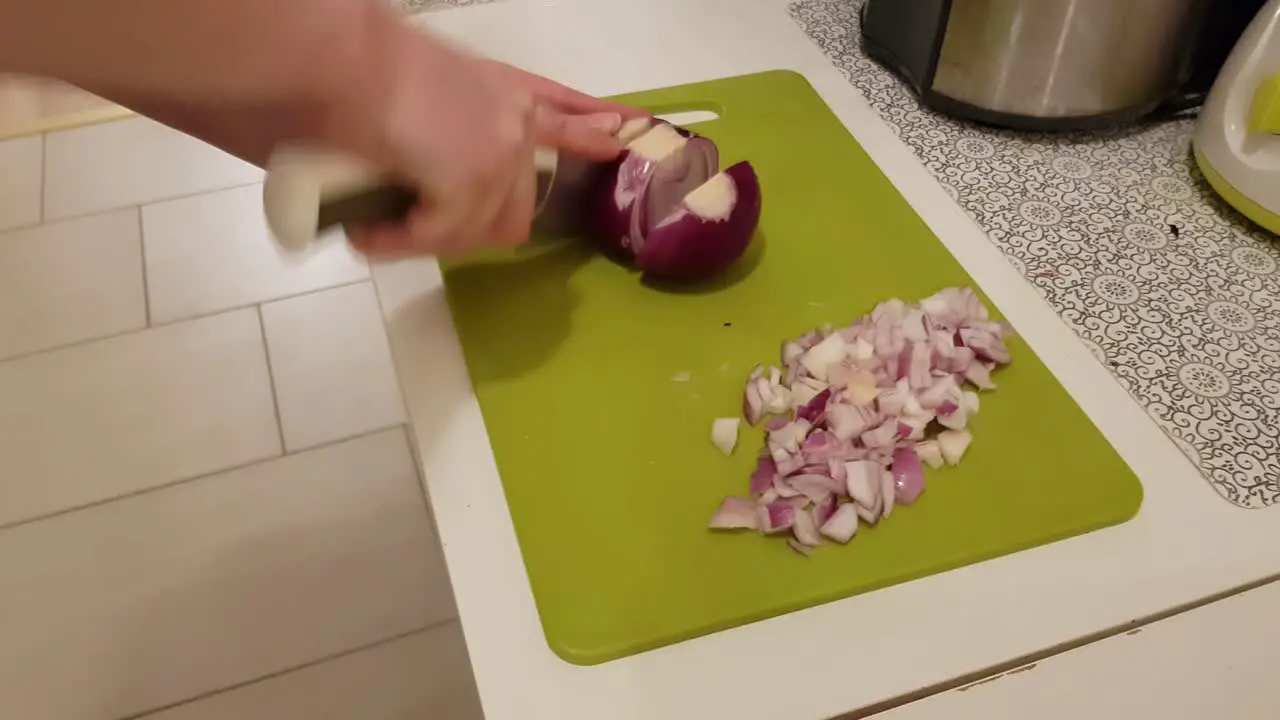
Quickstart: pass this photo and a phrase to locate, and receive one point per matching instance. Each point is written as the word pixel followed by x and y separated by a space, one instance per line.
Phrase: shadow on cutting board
pixel 513 309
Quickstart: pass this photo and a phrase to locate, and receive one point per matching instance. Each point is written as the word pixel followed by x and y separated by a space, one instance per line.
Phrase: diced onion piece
pixel 777 516
pixel 802 395
pixel 842 525
pixel 911 408
pixel 887 494
pixel 956 419
pixel 736 513
pixel 845 421
pixel 814 383
pixel 942 389
pixel 883 435
pixel 724 434
pixel 784 488
pixel 822 356
pixel 779 402
pixel 980 376
pixel 893 400
pixel 862 478
pixel 815 487
pixel 791 352
pixel 862 350
pixel 862 388
pixel 908 476
pixel 805 530
pixel 813 410
pixel 799 547
pixel 823 510
pixel 931 453
pixel 752 403
pixel 762 478
pixel 953 444
pixel 870 516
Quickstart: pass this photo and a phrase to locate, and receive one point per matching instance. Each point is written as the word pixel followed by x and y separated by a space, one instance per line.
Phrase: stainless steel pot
pixel 1054 64
pixel 1065 58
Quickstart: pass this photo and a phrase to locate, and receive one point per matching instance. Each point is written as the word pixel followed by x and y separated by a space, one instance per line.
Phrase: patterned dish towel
pixel 1175 293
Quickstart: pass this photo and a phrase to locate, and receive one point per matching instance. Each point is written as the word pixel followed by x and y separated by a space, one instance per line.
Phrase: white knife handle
pixel 310 190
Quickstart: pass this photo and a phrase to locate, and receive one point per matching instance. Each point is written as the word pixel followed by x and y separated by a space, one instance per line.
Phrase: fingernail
pixel 607 122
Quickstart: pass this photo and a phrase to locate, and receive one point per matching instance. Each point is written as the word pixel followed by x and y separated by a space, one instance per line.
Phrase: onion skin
pixel 691 247
pixel 908 476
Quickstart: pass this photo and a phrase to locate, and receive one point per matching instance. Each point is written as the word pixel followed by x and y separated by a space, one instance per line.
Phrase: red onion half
pixel 707 230
pixel 853 415
pixel 663 206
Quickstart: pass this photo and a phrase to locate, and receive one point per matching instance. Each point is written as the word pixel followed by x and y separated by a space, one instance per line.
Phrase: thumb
pixel 590 136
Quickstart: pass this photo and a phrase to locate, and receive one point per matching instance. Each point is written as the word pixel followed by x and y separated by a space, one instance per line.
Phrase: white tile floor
pixel 208 505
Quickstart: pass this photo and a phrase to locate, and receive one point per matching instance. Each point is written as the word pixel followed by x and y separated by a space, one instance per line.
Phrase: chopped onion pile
pixel 852 415
pixel 664 207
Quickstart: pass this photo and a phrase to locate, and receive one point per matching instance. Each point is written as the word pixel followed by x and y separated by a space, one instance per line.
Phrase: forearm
pixel 201 51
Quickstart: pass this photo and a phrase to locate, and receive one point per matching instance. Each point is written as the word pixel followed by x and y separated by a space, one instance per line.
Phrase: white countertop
pixel 1184 545
pixel 1216 661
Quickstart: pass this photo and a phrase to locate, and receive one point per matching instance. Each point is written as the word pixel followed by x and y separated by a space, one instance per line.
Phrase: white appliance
pixel 1237 140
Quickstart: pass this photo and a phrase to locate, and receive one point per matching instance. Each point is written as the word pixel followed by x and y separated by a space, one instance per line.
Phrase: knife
pixel 310 190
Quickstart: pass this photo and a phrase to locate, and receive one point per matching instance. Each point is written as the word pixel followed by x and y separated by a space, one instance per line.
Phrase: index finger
pixel 568 100
pixel 550 93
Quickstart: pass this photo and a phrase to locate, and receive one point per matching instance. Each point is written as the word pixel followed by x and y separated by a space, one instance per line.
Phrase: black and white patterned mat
pixel 1176 294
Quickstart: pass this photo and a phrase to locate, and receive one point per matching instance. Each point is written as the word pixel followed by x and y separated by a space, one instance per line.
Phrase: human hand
pixel 458 128
pixel 559 118
pixel 449 126
pixel 569 120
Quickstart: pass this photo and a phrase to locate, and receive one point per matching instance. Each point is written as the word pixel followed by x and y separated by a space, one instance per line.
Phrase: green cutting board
pixel 607 462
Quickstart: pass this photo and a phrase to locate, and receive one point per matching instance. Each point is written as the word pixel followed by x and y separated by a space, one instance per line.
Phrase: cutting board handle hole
pixel 685 118
pixel 687 112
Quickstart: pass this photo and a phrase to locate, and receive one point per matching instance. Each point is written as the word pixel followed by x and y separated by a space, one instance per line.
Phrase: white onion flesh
pixel 724 434
pixel 633 128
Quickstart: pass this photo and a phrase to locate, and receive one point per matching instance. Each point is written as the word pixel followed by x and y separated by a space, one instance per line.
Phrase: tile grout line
pixel 194 478
pixel 44 172
pixel 142 254
pixel 271 377
pixel 409 437
pixel 259 303
pixel 116 208
pixel 420 630
pixel 179 321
